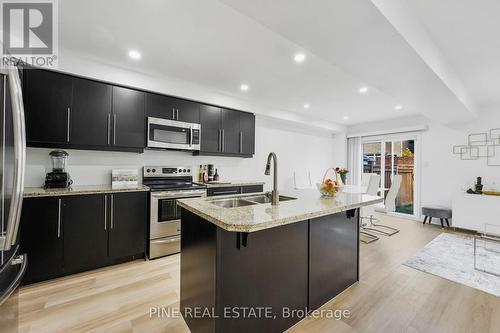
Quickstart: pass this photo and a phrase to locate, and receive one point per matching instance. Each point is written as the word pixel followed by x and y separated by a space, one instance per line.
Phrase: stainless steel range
pixel 167 184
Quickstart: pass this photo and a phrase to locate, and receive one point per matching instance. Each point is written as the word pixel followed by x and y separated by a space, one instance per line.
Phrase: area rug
pixel 452 257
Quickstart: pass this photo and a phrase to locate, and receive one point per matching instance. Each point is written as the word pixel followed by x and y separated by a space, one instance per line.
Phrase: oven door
pixel 171 134
pixel 166 214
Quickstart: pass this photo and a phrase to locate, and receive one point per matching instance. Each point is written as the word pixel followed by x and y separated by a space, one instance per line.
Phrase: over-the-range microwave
pixel 172 134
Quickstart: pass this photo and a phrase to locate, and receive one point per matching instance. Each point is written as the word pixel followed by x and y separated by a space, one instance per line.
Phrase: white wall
pixel 443 174
pixel 296 150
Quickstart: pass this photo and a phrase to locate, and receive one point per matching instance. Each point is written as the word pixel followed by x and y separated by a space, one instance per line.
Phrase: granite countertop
pixel 309 204
pixel 231 183
pixel 32 192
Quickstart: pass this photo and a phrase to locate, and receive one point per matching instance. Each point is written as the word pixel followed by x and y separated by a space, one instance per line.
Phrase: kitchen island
pixel 248 266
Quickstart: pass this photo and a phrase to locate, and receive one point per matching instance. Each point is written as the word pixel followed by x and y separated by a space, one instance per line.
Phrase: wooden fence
pixel 403 166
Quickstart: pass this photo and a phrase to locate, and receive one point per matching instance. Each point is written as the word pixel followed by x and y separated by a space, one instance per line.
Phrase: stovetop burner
pixel 169 178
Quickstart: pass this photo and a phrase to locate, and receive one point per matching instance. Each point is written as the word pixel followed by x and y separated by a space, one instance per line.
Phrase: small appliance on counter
pixel 58 178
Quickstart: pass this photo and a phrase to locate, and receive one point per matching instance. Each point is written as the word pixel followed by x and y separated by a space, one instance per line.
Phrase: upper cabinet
pixel 65 111
pixel 48 98
pixel 247 133
pixel 128 121
pixel 172 108
pixel 71 112
pixel 90 113
pixel 226 132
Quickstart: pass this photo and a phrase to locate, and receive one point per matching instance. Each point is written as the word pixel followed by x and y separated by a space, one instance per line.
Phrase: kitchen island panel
pixel 265 269
pixel 334 253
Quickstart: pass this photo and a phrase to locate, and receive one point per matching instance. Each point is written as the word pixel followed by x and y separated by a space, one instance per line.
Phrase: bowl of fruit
pixel 329 187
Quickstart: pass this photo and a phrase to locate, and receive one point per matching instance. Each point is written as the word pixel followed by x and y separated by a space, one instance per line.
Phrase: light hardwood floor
pixel 390 297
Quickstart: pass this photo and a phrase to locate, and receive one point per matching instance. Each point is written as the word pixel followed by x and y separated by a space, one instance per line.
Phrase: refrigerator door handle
pixel 10 237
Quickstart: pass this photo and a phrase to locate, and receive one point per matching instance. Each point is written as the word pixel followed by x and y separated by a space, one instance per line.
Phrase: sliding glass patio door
pixel 391 155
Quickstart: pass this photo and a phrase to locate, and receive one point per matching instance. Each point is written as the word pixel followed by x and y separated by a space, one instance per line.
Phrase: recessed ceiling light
pixel 398 107
pixel 244 87
pixel 134 54
pixel 299 57
pixel 307 106
pixel 363 90
pixel 346 118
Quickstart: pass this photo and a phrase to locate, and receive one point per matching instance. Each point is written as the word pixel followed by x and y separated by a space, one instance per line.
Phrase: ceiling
pixel 348 44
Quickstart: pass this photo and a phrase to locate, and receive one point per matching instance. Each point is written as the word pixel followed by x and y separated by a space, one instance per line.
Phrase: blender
pixel 58 178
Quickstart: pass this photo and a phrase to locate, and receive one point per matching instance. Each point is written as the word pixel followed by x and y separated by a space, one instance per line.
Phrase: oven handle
pixel 174 195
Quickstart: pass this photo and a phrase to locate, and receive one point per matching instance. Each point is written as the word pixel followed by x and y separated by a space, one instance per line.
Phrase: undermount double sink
pixel 247 201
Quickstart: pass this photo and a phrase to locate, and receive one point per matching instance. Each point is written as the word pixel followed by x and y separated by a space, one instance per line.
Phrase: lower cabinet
pixel 85 232
pixel 41 238
pixel 70 234
pixel 126 236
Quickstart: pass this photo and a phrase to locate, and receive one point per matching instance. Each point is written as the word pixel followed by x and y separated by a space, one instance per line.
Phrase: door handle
pixel 177 114
pixel 173 113
pixel 68 116
pixel 108 127
pixel 59 218
pixel 218 140
pixel 114 129
pixel 222 142
pixel 241 142
pixel 105 211
pixel 111 212
pixel 12 225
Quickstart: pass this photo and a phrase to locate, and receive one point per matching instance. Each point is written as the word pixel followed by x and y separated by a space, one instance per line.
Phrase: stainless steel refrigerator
pixel 12 160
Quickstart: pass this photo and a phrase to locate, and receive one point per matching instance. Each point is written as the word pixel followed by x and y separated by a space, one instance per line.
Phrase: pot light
pixel 134 54
pixel 244 87
pixel 299 57
pixel 363 90
pixel 307 106
pixel 345 118
pixel 398 107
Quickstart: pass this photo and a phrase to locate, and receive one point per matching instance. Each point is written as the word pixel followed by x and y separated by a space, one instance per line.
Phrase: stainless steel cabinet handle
pixel 68 116
pixel 173 113
pixel 12 225
pixel 218 140
pixel 222 142
pixel 177 114
pixel 108 127
pixel 111 212
pixel 114 129
pixel 59 219
pixel 241 142
pixel 105 211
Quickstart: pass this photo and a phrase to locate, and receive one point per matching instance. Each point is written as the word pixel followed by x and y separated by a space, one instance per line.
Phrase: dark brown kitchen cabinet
pixel 128 121
pixel 166 107
pixel 85 232
pixel 41 238
pixel 127 224
pixel 210 119
pixel 64 111
pixel 47 102
pixel 226 132
pixel 91 113
pixel 247 133
pixel 70 234
pixel 230 126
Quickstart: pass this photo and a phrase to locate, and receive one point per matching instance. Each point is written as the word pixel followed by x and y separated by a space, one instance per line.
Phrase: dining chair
pixel 367 212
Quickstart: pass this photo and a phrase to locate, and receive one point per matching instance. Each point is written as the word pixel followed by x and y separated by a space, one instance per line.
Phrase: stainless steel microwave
pixel 172 134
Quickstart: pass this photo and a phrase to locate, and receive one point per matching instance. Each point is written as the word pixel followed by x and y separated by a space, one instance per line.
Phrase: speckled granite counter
pixel 33 192
pixel 309 204
pixel 231 183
